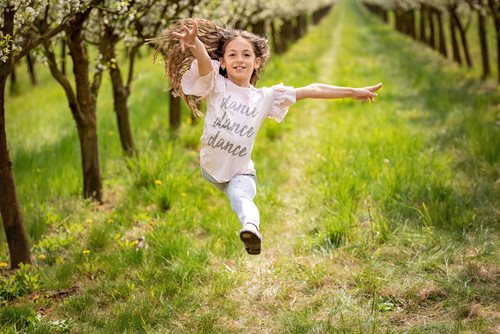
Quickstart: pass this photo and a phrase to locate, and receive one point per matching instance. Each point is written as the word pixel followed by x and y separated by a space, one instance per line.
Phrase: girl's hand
pixel 366 93
pixel 188 37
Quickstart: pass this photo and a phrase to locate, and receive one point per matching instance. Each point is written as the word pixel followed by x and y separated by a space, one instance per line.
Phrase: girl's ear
pixel 257 62
pixel 222 64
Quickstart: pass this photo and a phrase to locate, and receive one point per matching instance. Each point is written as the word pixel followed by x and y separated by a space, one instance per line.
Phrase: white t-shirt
pixel 234 115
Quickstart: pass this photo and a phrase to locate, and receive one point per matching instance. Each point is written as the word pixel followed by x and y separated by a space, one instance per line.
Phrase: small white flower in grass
pixel 140 243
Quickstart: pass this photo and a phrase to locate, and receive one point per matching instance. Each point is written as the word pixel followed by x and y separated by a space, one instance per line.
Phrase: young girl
pixel 223 66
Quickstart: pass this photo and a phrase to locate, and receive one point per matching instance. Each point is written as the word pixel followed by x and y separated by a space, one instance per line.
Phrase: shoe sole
pixel 252 242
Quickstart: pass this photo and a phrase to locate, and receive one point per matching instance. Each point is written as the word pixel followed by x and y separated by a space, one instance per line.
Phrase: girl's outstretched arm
pixel 322 91
pixel 189 39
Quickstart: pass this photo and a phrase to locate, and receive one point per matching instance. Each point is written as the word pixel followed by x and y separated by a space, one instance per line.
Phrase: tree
pixel 9 204
pixel 436 9
pixel 82 101
pixel 454 7
pixel 459 18
pixel 16 41
pixel 481 9
pixel 494 7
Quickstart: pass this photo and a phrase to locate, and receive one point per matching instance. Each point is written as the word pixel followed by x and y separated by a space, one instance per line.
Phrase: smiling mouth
pixel 239 67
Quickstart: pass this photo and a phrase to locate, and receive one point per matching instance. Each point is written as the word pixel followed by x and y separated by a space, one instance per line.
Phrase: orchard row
pixel 443 24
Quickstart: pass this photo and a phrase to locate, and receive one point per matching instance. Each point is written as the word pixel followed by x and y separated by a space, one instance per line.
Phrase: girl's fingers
pixel 184 45
pixel 187 35
pixel 369 94
pixel 194 32
pixel 376 87
pixel 176 34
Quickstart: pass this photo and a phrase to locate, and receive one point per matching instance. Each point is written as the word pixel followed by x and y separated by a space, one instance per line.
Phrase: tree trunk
pixel 120 97
pixel 121 92
pixel 302 24
pixel 63 56
pixel 31 69
pixel 422 31
pixel 85 126
pixel 275 37
pixel 278 38
pixel 484 44
pixel 174 111
pixel 442 41
pixel 320 13
pixel 454 42
pixel 495 11
pixel 295 29
pixel 10 209
pixel 258 28
pixel 463 37
pixel 14 87
pixel 92 185
pixel 432 31
pixel 316 16
pixel 397 21
pixel 411 23
pixel 87 123
pixel 286 33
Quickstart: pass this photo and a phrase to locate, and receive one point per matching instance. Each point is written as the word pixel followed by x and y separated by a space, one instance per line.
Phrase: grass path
pixel 266 288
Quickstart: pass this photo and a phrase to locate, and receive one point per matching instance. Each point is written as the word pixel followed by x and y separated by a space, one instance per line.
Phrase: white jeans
pixel 240 191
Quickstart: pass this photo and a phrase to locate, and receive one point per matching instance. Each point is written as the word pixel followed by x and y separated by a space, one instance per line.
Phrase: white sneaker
pixel 251 237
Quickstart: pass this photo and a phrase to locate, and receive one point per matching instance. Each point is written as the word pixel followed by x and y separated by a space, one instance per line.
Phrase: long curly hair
pixel 215 39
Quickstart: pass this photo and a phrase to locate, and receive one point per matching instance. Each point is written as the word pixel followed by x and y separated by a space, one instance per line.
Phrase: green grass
pixel 377 218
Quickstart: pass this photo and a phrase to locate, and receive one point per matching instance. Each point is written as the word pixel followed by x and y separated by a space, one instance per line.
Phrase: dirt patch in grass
pixel 482 272
pixel 430 294
pixel 480 311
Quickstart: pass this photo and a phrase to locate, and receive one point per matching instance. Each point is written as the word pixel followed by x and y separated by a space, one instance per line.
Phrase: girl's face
pixel 239 61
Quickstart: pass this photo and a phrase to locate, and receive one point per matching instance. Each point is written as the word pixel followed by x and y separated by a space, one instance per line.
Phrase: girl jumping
pixel 223 66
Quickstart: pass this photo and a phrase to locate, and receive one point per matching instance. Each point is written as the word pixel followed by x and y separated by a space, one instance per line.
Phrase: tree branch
pixel 64 82
pixel 132 56
pixel 46 36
